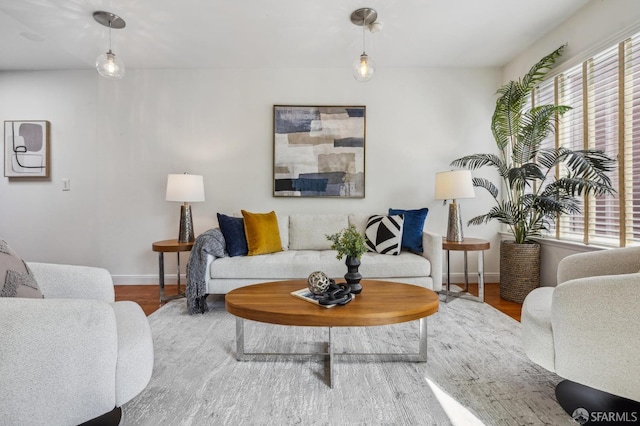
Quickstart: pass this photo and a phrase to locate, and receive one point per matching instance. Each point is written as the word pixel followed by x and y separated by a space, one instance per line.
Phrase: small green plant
pixel 349 242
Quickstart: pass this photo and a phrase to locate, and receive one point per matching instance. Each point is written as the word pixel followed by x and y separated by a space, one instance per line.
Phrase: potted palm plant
pixel 350 243
pixel 533 196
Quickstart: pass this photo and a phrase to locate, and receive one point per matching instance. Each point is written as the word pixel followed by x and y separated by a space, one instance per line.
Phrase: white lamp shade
pixel 454 184
pixel 185 188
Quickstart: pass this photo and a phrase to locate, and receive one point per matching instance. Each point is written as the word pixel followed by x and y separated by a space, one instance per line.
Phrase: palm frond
pixel 590 164
pixel 475 161
pixel 575 186
pixel 537 125
pixel 522 176
pixel 486 184
pixel 537 73
pixel 556 204
pixel 505 121
pixel 497 212
pixel 538 227
pixel 549 157
pixel 513 96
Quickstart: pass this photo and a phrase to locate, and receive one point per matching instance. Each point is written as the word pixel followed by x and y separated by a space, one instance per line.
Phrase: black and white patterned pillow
pixel 16 279
pixel 384 234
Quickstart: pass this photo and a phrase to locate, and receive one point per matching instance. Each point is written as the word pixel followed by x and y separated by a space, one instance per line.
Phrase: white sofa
pixel 586 329
pixel 74 355
pixel 306 249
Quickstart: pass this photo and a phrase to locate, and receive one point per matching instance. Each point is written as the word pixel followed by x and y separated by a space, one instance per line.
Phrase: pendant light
pixel 107 64
pixel 364 67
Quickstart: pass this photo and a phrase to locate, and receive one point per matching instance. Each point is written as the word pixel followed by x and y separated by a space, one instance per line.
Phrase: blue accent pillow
pixel 232 229
pixel 413 225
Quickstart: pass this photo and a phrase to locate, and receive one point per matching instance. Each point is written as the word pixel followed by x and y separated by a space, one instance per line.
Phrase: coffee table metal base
pixel 329 354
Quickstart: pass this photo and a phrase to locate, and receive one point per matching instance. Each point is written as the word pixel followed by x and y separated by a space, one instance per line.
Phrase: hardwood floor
pixel 147 297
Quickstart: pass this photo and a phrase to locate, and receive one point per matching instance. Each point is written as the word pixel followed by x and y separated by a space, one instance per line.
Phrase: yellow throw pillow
pixel 262 232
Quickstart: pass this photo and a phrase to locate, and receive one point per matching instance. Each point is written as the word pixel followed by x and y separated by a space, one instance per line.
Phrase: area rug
pixel 476 373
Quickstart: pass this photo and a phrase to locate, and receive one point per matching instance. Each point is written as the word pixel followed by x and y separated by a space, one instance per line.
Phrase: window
pixel 604 93
pixel 571 135
pixel 545 95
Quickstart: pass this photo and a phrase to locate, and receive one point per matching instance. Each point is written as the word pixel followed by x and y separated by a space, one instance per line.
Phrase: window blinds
pixel 602 110
pixel 631 107
pixel 571 135
pixel 604 94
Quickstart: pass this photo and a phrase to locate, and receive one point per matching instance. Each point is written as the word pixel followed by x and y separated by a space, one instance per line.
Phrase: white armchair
pixel 74 355
pixel 587 329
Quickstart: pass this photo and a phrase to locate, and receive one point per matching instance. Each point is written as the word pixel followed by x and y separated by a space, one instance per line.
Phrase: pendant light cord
pixel 363 23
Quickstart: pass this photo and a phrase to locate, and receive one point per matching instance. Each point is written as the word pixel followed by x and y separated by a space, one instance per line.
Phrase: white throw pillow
pixel 283 227
pixel 360 220
pixel 309 231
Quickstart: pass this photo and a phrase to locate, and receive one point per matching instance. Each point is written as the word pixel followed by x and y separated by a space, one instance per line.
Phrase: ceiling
pixel 61 34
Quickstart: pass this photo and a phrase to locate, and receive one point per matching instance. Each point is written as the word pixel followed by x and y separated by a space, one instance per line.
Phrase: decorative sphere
pixel 318 282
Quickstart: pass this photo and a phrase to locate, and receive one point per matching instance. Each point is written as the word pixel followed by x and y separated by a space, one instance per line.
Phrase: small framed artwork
pixel 318 151
pixel 26 149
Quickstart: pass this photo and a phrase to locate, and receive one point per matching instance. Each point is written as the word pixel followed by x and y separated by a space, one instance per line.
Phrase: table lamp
pixel 185 189
pixel 453 185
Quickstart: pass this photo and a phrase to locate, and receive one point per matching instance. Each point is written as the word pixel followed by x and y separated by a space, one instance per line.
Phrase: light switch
pixel 66 184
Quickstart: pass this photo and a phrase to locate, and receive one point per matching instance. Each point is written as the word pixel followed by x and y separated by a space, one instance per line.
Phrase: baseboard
pixel 458 277
pixel 147 279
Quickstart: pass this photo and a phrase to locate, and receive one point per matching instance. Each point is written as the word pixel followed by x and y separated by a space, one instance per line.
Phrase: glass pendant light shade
pixel 110 66
pixel 363 68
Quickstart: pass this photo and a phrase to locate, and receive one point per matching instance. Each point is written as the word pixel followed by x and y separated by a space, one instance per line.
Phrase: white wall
pixel 600 24
pixel 117 141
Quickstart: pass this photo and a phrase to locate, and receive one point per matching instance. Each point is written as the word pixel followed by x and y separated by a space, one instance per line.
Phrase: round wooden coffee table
pixel 380 303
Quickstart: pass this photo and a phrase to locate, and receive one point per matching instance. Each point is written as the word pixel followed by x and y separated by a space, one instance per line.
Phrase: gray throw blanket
pixel 209 242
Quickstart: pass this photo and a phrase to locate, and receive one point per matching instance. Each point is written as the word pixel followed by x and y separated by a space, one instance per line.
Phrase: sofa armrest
pixel 73 282
pixel 207 270
pixel 57 360
pixel 595 322
pixel 432 250
pixel 603 262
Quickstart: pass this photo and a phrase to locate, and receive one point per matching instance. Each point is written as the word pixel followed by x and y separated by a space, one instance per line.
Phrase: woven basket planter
pixel 519 270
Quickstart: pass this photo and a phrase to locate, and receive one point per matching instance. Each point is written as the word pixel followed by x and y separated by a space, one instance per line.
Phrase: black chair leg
pixel 589 406
pixel 112 418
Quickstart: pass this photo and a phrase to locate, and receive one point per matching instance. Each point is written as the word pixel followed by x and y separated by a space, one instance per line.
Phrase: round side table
pixel 169 246
pixel 468 244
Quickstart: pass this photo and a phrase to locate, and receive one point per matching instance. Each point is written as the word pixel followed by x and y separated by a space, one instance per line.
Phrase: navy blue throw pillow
pixel 232 229
pixel 413 225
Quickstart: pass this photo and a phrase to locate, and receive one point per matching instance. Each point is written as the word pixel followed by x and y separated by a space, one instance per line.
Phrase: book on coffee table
pixel 306 294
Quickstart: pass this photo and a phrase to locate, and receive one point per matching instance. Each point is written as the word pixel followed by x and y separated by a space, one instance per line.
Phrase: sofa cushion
pixel 283 226
pixel 359 220
pixel 309 231
pixel 384 234
pixel 16 280
pixel 413 227
pixel 262 232
pixel 232 229
pixel 296 264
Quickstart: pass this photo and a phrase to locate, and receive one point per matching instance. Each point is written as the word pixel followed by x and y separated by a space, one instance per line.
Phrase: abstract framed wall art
pixel 26 149
pixel 318 151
